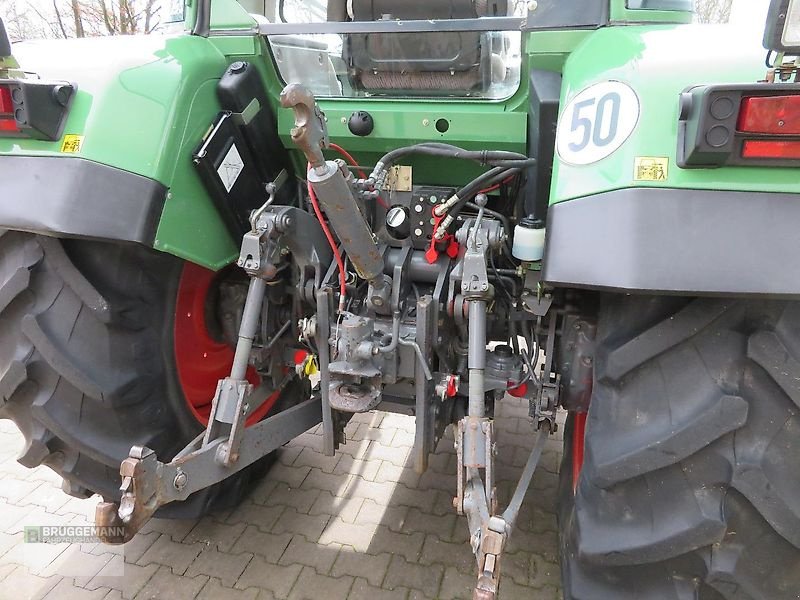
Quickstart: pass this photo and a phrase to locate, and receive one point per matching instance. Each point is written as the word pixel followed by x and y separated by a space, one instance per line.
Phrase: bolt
pixel 425 122
pixel 180 481
pixel 344 120
pixel 245 408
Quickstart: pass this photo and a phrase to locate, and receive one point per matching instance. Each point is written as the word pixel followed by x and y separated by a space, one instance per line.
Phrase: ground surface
pixel 360 525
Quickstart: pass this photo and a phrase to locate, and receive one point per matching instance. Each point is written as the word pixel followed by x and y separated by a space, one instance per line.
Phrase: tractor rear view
pixel 288 213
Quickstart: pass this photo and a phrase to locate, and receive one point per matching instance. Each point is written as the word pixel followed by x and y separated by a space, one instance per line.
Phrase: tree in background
pixel 31 19
pixel 713 11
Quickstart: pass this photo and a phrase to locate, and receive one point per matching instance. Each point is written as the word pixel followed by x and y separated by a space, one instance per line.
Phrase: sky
pixel 749 12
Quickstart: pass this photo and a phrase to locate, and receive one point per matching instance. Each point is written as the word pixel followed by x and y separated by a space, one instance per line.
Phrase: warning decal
pixel 72 144
pixel 231 167
pixel 651 168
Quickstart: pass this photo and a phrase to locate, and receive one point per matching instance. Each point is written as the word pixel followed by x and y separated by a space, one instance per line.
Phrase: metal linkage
pixel 225 447
pixel 148 484
pixel 475 441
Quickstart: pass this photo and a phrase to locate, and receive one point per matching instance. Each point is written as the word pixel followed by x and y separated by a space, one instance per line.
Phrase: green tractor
pixel 280 214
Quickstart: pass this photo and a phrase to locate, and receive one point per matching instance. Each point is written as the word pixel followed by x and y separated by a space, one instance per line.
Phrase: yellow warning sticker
pixel 72 144
pixel 651 168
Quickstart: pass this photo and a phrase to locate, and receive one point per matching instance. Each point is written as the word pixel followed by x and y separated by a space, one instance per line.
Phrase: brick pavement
pixel 360 525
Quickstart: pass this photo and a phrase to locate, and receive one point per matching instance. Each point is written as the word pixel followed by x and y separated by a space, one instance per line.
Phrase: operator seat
pixel 422 63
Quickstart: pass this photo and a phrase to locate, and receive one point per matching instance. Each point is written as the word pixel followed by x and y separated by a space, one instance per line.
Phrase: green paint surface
pixel 659 62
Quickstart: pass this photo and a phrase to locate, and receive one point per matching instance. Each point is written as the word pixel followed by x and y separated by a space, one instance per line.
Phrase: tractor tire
pixel 689 486
pixel 87 364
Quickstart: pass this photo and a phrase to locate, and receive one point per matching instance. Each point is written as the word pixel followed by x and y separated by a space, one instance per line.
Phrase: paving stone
pixel 318 556
pixel 309 526
pixel 270 546
pixel 14 490
pixel 8 541
pixel 398 421
pixel 264 517
pixel 222 565
pixel 38 516
pixel 425 578
pixel 545 543
pixel 128 579
pixel 370 567
pixel 301 499
pixel 171 554
pixel 362 590
pixel 214 590
pixel 67 590
pixel 278 579
pixel 84 507
pixel 457 585
pixel 406 475
pixel 403 438
pixel 77 565
pixel 133 550
pixel 165 585
pixel 517 566
pixel 262 491
pixel 366 468
pixel 393 517
pixel 357 536
pixel 435 551
pixel 397 455
pixel 313 586
pixel 366 432
pixel 11 514
pixel 289 474
pixel 212 533
pixel 544 572
pixel 347 509
pixel 288 454
pixel 176 529
pixel 21 584
pixel 35 557
pixel 335 483
pixel 431 480
pixel 412 544
pixel 355 448
pixel 399 544
pixel 47 496
pixel 315 460
pixel 441 526
pixel 5 570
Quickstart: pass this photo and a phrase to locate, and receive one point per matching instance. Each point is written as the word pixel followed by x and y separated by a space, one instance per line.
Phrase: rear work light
pixel 745 125
pixel 33 108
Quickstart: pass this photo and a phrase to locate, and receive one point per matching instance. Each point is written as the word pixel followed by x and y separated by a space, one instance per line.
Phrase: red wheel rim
pixel 578 435
pixel 202 361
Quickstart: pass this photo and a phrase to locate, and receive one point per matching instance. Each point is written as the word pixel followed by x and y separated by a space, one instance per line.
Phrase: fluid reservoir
pixel 529 240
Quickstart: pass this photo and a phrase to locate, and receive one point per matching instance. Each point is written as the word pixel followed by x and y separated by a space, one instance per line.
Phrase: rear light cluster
pixel 34 108
pixel 754 125
pixel 773 116
pixel 7 121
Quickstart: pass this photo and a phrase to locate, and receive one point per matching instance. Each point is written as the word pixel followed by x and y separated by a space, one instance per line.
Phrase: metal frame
pixel 396 26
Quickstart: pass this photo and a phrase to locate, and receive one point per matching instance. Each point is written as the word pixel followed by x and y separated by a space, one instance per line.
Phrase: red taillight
pixel 7 121
pixel 789 150
pixel 6 105
pixel 771 115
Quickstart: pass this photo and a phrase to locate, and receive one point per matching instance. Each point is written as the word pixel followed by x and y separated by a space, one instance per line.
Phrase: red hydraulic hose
pixel 336 254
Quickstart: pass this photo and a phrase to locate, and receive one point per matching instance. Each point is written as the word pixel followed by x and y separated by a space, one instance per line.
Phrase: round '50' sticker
pixel 597 122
